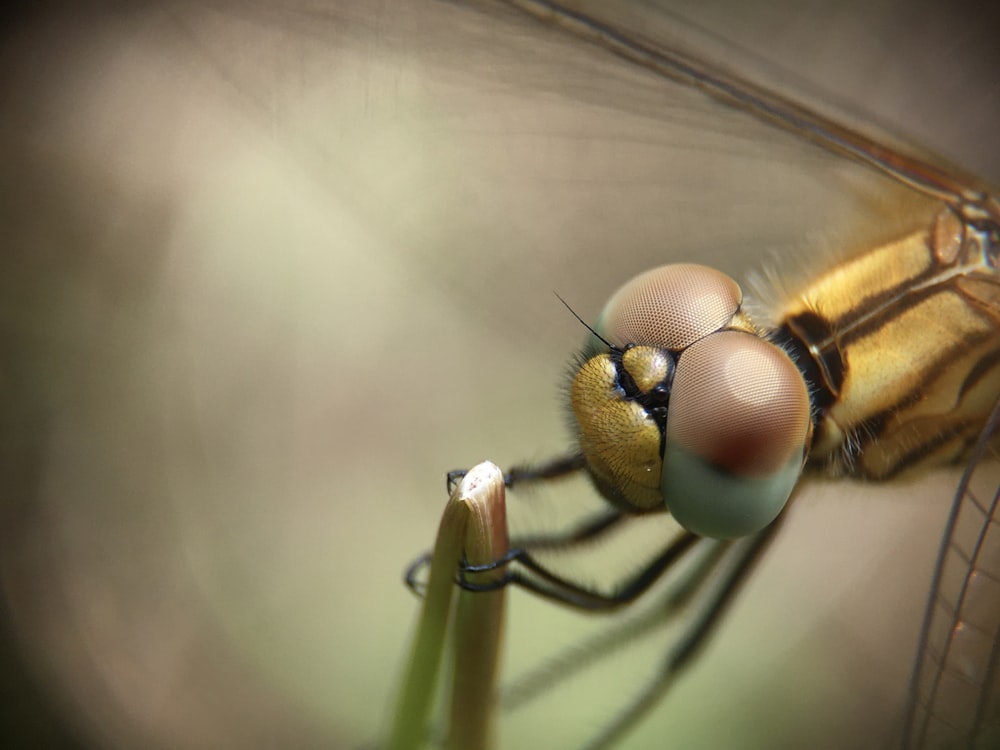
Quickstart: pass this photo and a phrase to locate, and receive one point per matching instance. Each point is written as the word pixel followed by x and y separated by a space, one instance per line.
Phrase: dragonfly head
pixel 681 405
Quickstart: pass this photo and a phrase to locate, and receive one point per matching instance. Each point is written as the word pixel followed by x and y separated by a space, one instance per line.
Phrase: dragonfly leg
pixel 555 468
pixel 579 656
pixel 530 574
pixel 412 572
pixel 590 530
pixel 695 636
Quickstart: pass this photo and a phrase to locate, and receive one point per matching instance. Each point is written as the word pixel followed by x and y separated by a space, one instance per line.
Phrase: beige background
pixel 270 269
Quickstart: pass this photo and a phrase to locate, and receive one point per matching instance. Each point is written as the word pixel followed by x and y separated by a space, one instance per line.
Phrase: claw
pixel 453 477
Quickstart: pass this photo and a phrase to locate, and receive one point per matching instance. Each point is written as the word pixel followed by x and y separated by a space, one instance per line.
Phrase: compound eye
pixel 737 433
pixel 671 306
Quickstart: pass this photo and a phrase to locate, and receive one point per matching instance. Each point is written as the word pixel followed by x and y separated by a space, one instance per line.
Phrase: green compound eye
pixel 736 436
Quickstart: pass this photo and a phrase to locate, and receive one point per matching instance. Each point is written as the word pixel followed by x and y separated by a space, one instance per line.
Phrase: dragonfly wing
pixel 955 693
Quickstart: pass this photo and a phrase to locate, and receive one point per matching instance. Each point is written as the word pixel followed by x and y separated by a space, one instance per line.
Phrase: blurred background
pixel 271 268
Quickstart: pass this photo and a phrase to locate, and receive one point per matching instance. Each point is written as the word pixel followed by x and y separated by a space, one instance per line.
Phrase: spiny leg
pixel 579 656
pixel 555 468
pixel 591 530
pixel 695 637
pixel 543 582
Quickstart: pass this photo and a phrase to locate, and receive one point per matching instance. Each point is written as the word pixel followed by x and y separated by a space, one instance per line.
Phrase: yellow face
pixel 685 407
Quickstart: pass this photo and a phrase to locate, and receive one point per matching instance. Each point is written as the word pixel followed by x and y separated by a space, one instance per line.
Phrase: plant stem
pixel 473 527
pixel 479 617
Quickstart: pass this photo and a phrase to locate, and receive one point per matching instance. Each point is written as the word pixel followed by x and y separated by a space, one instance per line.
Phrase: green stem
pixel 473 525
pixel 479 619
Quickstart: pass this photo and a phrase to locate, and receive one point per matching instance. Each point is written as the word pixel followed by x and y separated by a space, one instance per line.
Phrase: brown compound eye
pixel 670 306
pixel 738 430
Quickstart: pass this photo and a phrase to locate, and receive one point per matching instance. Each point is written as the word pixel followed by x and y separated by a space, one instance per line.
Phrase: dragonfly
pixel 875 393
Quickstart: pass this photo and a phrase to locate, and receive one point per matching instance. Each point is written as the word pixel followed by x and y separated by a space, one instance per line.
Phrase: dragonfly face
pixel 678 351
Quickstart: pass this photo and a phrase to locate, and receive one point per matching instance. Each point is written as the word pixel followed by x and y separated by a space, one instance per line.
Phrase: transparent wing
pixel 638 34
pixel 955 693
pixel 552 132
